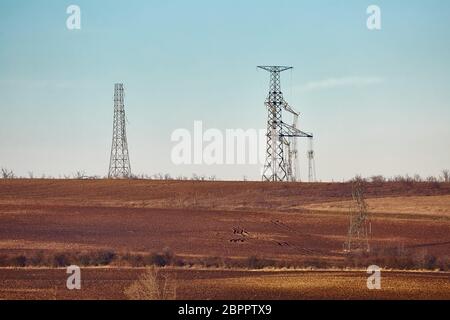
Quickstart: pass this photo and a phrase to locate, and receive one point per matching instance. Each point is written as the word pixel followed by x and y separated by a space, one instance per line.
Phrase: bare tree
pixel 158 176
pixel 8 174
pixel 152 285
pixel 377 179
pixel 80 175
pixel 446 175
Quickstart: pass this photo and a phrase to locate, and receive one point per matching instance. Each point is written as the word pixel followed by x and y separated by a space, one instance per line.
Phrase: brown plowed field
pixel 107 283
pixel 283 222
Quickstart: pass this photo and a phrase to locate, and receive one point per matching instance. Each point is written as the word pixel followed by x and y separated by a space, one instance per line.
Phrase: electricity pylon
pixel 119 165
pixel 311 162
pixel 360 227
pixel 281 149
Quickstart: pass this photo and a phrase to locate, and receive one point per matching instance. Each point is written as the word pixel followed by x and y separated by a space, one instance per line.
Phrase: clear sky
pixel 378 102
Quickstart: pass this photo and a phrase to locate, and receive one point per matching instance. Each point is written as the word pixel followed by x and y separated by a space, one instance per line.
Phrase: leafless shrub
pixel 134 260
pixel 445 175
pixel 408 180
pixel 152 285
pixel 197 177
pixel 8 174
pixel 377 179
pixel 163 259
pixel 39 259
pixel 95 258
pixel 405 179
pixel 157 176
pixel 80 175
pixel 399 258
pixel 358 178
pixel 212 262
pixel 254 262
pixel 61 260
pixel 4 261
pixel 19 261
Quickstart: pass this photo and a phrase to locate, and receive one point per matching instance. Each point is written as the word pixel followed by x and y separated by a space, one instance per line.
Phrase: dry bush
pixel 255 263
pixel 399 258
pixel 134 260
pixel 163 259
pixel 95 258
pixel 61 260
pixel 446 175
pixel 39 259
pixel 379 179
pixel 7 174
pixel 152 285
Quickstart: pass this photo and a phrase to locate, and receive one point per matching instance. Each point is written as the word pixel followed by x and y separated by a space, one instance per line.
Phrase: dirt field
pixel 283 222
pixel 110 283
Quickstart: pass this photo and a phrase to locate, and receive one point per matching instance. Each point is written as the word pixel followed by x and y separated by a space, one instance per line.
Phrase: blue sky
pixel 377 101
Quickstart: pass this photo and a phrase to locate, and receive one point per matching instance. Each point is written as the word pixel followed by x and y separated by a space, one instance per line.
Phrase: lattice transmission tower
pixel 360 228
pixel 311 162
pixel 281 150
pixel 119 165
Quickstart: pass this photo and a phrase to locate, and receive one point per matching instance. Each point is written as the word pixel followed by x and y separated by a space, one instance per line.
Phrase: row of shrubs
pixel 165 258
pixel 379 179
pixel 384 258
pixel 403 259
pixel 81 175
pixel 444 177
pixel 60 259
pixel 89 259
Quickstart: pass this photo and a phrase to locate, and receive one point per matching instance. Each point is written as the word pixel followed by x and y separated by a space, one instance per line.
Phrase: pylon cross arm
pixel 275 68
pixel 290 131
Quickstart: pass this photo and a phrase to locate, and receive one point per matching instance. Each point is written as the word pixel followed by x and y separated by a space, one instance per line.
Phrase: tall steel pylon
pixel 311 162
pixel 360 228
pixel 281 149
pixel 119 165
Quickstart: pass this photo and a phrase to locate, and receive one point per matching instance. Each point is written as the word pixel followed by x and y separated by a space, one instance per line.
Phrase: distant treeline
pixel 391 258
pixel 443 177
pixel 81 175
